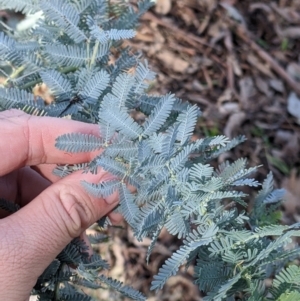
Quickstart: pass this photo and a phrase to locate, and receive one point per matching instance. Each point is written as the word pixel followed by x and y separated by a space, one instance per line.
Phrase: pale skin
pixel 54 210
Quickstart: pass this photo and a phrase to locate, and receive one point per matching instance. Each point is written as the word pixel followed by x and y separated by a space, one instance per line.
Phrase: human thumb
pixel 33 236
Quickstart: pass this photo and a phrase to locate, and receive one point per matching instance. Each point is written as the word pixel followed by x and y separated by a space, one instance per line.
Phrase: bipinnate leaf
pixel 187 122
pixel 125 290
pixel 54 80
pixel 221 292
pixel 122 87
pixel 169 139
pixel 116 168
pixel 103 36
pixel 103 189
pixel 24 6
pixel 69 55
pixel 128 208
pixel 66 16
pixel 172 264
pixel 7 44
pixel 159 115
pixel 77 142
pixel 120 120
pixel 96 85
pixel 142 74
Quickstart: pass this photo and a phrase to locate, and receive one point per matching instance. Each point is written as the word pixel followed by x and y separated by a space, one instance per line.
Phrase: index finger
pixel 30 140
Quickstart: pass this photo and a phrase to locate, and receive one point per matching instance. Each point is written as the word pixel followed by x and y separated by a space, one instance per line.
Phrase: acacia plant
pixel 75 49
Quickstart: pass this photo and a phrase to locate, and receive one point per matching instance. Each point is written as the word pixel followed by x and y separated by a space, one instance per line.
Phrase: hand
pixel 54 211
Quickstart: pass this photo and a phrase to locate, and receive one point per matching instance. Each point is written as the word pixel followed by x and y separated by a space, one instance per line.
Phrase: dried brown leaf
pixel 292 32
pixel 145 34
pixel 188 16
pixel 229 108
pixel 288 13
pixel 277 85
pixel 204 24
pixel 172 61
pixel 41 90
pixel 263 86
pixel 234 122
pixel 163 7
pixel 247 90
pixel 292 186
pixel 294 106
pixel 256 63
pixel 210 5
pixel 262 6
pixel 226 96
pixel 233 12
pixel 293 70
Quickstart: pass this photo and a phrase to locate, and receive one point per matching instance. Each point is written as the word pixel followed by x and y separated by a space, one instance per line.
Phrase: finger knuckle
pixel 77 209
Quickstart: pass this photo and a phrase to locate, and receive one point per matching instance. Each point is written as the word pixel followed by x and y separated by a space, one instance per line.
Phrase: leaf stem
pixel 95 51
pixel 14 74
pixel 32 83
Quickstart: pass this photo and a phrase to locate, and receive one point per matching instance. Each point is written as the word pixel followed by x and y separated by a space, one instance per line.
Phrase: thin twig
pixel 188 37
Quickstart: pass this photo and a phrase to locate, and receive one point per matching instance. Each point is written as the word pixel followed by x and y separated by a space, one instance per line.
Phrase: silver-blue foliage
pixel 73 51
